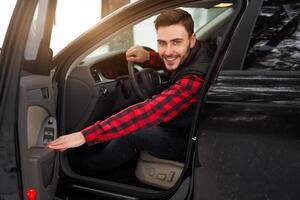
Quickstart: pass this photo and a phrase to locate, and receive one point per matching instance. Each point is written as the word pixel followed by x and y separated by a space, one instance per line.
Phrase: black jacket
pixel 198 63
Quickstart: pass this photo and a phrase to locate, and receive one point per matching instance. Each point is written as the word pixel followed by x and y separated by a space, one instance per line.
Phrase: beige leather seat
pixel 157 172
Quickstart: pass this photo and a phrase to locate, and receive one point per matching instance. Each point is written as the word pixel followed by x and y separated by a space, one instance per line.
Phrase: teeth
pixel 171 59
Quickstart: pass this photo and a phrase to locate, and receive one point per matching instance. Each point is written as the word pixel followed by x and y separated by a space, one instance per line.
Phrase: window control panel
pixel 48 135
pixel 48 132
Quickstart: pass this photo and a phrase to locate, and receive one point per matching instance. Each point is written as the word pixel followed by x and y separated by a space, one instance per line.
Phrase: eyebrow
pixel 175 39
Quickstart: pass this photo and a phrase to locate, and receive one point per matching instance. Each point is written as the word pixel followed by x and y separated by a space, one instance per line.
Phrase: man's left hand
pixel 67 141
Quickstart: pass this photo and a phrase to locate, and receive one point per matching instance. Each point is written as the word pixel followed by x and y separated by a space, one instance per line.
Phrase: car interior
pixel 99 86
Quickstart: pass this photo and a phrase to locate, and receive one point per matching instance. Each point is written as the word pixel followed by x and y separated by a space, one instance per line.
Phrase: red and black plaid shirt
pixel 160 108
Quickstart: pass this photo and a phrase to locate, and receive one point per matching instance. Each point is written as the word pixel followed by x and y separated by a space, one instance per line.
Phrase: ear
pixel 192 40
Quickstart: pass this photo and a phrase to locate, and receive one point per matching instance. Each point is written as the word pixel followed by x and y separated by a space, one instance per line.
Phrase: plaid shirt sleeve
pixel 155 61
pixel 160 108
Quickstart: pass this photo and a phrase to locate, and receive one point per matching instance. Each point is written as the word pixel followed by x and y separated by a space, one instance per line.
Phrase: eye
pixel 161 43
pixel 176 42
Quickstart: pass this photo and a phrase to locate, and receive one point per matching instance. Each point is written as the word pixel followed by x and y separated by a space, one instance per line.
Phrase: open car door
pixel 28 104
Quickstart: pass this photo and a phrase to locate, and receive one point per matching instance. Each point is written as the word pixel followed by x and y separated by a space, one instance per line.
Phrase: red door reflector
pixel 31 194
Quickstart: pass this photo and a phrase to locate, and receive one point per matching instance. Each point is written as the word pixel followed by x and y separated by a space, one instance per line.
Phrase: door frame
pixel 11 65
pixel 72 55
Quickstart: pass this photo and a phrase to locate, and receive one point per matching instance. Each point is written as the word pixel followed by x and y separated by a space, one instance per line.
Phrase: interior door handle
pixel 48 132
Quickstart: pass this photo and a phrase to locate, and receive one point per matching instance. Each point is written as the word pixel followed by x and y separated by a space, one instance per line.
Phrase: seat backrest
pixel 157 172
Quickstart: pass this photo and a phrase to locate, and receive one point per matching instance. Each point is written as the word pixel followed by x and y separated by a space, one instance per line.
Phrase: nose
pixel 168 50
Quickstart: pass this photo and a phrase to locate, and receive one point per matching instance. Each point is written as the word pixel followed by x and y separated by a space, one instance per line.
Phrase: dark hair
pixel 175 16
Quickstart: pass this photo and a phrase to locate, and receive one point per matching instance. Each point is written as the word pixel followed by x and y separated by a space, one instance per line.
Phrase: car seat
pixel 157 172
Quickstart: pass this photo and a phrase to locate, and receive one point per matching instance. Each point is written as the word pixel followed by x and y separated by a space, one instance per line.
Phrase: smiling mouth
pixel 170 59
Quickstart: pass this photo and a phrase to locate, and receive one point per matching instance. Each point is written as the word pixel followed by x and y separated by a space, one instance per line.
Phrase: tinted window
pixel 275 42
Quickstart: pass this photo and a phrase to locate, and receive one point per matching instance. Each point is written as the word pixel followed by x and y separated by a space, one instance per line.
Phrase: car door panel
pixel 18 108
pixel 37 126
pixel 249 138
pixel 249 152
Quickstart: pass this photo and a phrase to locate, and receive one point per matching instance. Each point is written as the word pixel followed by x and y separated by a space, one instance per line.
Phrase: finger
pixel 131 53
pixel 131 56
pixel 62 149
pixel 133 50
pixel 131 59
pixel 130 49
pixel 59 140
pixel 57 145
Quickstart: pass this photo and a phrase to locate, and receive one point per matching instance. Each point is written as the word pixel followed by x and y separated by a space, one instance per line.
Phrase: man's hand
pixel 67 141
pixel 137 54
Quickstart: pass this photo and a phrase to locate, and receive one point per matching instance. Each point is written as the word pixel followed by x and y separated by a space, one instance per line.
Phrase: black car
pixel 244 141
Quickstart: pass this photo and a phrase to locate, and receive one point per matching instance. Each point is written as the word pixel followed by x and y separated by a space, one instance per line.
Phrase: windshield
pixel 6 10
pixel 75 17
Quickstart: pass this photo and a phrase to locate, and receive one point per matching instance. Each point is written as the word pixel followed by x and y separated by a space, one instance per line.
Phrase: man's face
pixel 174 45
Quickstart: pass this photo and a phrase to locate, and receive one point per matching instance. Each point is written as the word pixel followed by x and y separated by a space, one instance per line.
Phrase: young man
pixel 158 125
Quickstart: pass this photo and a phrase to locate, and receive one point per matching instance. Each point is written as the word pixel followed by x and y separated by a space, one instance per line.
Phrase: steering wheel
pixel 145 82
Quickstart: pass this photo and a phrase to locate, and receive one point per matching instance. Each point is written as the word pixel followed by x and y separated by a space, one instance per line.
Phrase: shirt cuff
pixel 152 56
pixel 90 134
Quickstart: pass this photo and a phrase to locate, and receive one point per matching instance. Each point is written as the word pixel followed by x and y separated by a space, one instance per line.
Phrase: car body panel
pixel 248 152
pixel 267 90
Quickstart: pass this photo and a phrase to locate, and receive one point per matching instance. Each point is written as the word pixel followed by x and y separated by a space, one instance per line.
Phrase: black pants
pixel 160 142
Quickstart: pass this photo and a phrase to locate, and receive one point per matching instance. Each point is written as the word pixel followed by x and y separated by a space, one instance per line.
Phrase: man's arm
pixel 151 112
pixel 160 108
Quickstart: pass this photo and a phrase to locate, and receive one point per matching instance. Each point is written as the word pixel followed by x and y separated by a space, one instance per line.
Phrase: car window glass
pixel 36 31
pixel 133 35
pixel 136 34
pixel 202 16
pixel 6 10
pixel 75 17
pixel 275 41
